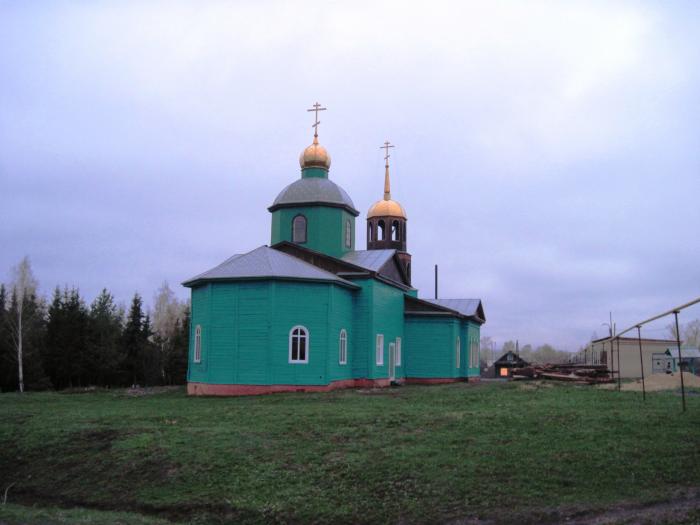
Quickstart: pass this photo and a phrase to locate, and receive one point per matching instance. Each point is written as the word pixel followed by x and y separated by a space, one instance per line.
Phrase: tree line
pixel 66 343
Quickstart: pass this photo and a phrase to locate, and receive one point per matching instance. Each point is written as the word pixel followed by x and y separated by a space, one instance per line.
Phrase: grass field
pixel 494 452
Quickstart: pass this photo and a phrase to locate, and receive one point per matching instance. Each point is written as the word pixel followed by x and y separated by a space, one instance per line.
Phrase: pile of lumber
pixel 572 373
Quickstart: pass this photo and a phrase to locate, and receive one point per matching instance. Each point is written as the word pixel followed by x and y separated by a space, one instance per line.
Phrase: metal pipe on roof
pixel 436 281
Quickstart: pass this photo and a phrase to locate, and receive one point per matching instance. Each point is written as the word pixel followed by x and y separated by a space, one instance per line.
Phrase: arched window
pixel 370 231
pixel 348 233
pixel 343 347
pixel 298 345
pixel 395 232
pixel 457 352
pixel 198 344
pixel 408 271
pixel 380 231
pixel 299 229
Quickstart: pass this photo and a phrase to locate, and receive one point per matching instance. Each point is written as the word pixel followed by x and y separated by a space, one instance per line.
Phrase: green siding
pixel 246 326
pixel 325 228
pixel 472 334
pixel 387 319
pixel 431 347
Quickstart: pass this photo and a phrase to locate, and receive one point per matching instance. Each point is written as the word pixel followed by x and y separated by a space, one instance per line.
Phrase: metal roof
pixel 265 262
pixel 314 190
pixel 371 260
pixel 468 307
pixel 686 353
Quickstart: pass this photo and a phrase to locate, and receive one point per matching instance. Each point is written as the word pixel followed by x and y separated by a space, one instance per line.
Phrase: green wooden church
pixel 310 312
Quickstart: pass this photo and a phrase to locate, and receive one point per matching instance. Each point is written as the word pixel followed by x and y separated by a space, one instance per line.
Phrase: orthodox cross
pixel 386 147
pixel 317 107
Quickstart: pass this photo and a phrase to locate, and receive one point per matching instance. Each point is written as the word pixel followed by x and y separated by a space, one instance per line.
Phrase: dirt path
pixel 681 509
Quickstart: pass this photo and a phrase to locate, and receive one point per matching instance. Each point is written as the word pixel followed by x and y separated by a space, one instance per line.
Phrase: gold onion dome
pixel 387 207
pixel 315 156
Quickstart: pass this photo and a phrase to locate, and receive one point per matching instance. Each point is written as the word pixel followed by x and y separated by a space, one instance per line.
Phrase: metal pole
pixel 641 361
pixel 619 375
pixel 680 362
pixel 436 282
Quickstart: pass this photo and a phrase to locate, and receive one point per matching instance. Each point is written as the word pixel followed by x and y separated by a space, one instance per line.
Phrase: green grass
pixel 410 454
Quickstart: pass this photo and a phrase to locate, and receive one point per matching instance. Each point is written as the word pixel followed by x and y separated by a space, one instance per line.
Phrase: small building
pixel 667 362
pixel 505 364
pixel 598 353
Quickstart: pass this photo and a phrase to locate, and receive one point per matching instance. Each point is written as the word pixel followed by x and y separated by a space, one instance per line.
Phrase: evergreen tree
pixel 104 333
pixel 134 343
pixel 66 359
pixel 8 373
pixel 175 352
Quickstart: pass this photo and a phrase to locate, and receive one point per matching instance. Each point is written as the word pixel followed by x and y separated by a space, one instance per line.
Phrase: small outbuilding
pixel 667 362
pixel 505 364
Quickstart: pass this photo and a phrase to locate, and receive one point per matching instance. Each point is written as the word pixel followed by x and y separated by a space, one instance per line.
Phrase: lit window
pixel 198 344
pixel 348 234
pixel 299 229
pixel 398 351
pixel 380 350
pixel 298 345
pixel 457 352
pixel 343 347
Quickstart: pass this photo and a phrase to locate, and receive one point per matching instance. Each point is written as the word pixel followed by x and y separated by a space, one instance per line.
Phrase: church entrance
pixel 392 361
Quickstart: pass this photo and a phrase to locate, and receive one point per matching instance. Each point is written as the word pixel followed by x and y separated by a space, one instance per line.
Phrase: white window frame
pixel 379 350
pixel 198 344
pixel 343 347
pixel 458 352
pixel 307 346
pixel 398 352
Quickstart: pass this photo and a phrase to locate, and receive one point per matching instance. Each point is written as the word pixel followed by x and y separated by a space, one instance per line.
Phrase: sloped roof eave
pixel 192 283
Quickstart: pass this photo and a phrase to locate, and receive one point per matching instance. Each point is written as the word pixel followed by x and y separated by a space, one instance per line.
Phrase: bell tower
pixel 386 222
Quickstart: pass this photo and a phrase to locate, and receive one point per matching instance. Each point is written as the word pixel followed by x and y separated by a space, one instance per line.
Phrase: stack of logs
pixel 572 373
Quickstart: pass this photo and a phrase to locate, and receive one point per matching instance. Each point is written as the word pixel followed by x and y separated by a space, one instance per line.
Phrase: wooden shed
pixel 505 364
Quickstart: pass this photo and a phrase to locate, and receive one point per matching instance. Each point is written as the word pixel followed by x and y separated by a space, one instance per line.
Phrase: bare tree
pixel 168 316
pixel 692 333
pixel 23 285
pixel 167 312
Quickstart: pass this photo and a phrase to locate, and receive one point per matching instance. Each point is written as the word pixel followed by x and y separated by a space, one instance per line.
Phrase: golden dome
pixel 386 208
pixel 315 156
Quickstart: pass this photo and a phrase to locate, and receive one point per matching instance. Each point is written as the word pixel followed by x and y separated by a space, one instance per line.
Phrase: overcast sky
pixel 547 152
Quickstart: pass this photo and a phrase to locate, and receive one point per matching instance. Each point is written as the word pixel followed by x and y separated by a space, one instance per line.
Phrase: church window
pixel 198 344
pixel 395 233
pixel 398 351
pixel 370 231
pixel 457 352
pixel 381 231
pixel 348 234
pixel 299 229
pixel 380 349
pixel 343 347
pixel 299 345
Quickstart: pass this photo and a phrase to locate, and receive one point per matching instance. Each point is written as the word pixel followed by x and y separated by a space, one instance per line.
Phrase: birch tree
pixel 24 286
